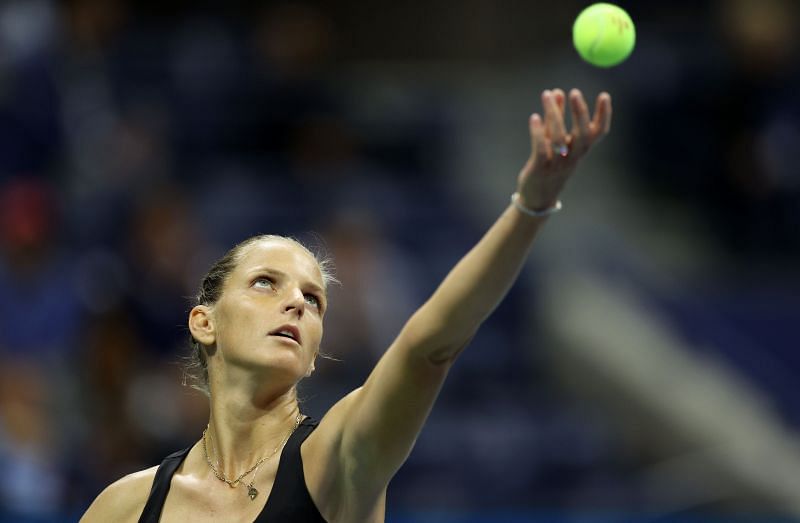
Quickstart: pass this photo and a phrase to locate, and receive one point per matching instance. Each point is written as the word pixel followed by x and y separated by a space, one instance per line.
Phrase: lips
pixel 287 331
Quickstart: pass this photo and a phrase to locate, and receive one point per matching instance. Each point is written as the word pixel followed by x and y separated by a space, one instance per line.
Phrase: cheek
pixel 316 332
pixel 235 324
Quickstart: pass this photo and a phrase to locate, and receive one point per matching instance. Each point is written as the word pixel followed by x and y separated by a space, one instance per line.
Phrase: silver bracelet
pixel 530 212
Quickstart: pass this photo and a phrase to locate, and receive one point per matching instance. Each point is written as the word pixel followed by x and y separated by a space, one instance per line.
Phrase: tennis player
pixel 256 331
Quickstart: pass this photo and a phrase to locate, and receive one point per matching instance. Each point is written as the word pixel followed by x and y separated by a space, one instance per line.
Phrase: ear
pixel 310 370
pixel 201 324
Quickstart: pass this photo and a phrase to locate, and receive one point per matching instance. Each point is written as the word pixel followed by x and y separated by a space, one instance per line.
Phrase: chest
pixel 210 500
pixel 308 490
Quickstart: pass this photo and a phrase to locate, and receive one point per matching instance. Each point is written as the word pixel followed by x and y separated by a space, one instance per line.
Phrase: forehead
pixel 281 255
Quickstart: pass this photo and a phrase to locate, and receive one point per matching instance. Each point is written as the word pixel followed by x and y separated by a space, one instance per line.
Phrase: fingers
pixel 581 132
pixel 549 137
pixel 554 123
pixel 601 123
pixel 539 147
pixel 560 98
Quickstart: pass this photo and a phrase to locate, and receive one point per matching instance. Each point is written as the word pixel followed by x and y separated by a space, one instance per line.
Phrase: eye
pixel 313 300
pixel 264 283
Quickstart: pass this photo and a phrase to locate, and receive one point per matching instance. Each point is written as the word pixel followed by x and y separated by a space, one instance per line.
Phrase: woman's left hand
pixel 554 152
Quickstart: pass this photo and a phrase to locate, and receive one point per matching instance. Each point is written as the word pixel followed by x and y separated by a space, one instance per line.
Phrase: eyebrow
pixel 310 284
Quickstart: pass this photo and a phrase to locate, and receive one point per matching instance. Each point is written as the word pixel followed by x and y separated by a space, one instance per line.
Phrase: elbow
pixel 438 341
pixel 448 354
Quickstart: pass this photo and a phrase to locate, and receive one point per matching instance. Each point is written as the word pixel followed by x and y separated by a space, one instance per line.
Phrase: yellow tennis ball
pixel 604 34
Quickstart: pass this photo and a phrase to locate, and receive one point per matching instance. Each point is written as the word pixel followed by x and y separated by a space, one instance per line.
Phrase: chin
pixel 283 367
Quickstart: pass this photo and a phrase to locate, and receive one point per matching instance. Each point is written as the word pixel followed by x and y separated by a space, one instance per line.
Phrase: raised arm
pixel 379 422
pixel 477 284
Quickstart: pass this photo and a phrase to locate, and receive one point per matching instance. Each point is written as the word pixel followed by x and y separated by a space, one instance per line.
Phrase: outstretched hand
pixel 554 152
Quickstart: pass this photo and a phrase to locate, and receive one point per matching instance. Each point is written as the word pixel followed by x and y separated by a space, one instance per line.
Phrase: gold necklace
pixel 233 483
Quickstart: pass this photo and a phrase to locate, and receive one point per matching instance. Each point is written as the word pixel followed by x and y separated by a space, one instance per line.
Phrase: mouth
pixel 287 331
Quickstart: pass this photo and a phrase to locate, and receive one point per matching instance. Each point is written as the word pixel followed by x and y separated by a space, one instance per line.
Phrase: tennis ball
pixel 604 34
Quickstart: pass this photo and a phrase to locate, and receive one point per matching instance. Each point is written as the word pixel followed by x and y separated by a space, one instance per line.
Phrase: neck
pixel 241 430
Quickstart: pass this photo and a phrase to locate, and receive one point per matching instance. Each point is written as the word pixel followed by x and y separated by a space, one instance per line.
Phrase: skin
pixel 365 437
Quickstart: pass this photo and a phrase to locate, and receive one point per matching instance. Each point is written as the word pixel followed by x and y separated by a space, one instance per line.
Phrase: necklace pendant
pixel 252 492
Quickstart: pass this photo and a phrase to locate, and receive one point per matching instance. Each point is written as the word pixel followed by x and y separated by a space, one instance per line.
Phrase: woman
pixel 258 327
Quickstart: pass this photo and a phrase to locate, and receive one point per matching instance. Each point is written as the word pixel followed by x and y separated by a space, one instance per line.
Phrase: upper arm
pixel 123 500
pixel 378 423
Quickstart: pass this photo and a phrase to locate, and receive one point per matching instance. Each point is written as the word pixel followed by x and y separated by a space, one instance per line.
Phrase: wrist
pixel 521 206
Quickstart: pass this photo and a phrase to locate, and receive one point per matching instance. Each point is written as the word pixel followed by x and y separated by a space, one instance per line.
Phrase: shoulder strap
pixel 158 493
pixel 290 500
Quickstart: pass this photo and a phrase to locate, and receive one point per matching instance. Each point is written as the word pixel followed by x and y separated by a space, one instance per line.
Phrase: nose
pixel 295 302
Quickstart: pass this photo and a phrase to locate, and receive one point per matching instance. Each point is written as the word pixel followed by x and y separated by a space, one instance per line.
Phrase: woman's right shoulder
pixel 123 500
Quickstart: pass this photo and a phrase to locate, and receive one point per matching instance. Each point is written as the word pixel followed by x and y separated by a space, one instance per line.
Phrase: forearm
pixel 477 284
pixel 385 416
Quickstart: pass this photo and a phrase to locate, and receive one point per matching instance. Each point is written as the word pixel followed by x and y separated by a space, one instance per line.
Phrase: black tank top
pixel 288 502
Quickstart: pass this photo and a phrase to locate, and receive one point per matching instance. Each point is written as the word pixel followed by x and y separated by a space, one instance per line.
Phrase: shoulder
pixel 123 500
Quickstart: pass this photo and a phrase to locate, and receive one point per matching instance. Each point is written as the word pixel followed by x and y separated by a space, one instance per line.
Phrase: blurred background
pixel 644 368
